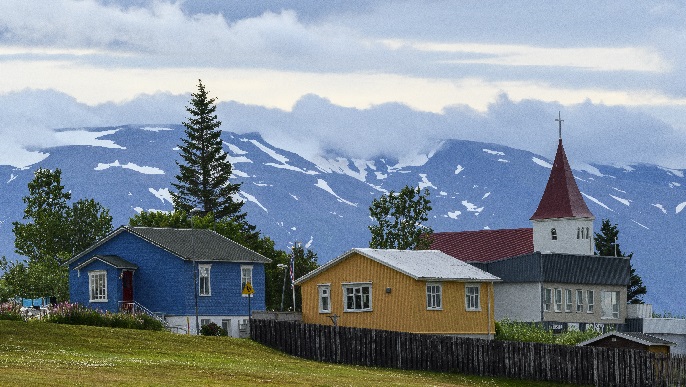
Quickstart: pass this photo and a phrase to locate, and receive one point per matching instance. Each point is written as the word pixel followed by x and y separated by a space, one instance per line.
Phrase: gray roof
pixel 429 265
pixel 112 260
pixel 641 338
pixel 187 244
pixel 561 268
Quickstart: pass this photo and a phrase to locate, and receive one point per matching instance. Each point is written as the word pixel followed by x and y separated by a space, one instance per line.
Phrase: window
pixel 324 298
pixel 204 280
pixel 589 301
pixel 472 297
pixel 358 297
pixel 568 300
pixel 553 234
pixel 609 304
pixel 226 324
pixel 204 321
pixel 434 296
pixel 246 276
pixel 579 300
pixel 558 300
pixel 548 299
pixel 243 325
pixel 578 233
pixel 97 282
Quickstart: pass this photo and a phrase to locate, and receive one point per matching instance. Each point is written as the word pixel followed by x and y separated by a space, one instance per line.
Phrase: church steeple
pixel 562 222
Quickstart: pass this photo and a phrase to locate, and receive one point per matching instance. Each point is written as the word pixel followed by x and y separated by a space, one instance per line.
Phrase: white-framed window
pixel 553 234
pixel 226 324
pixel 434 296
pixel 590 298
pixel 547 299
pixel 204 280
pixel 204 321
pixel 243 325
pixel 246 276
pixel 558 300
pixel 97 283
pixel 472 301
pixel 609 304
pixel 324 298
pixel 588 233
pixel 579 300
pixel 568 300
pixel 357 297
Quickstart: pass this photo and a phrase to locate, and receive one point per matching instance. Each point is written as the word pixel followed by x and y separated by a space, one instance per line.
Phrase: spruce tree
pixel 203 179
pixel 606 244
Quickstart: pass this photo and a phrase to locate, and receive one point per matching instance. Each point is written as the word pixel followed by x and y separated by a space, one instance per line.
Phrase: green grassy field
pixel 40 354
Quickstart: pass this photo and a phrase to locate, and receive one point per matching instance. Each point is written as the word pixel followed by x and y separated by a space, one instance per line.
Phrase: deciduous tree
pixel 399 220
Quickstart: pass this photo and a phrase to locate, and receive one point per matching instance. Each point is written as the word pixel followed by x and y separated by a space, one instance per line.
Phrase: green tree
pixel 53 232
pixel 606 244
pixel 203 179
pixel 399 217
pixel 304 261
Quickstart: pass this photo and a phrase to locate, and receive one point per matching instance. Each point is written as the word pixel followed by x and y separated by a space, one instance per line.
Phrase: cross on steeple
pixel 560 120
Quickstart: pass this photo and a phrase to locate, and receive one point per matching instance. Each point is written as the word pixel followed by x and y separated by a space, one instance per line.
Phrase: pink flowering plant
pixel 77 314
pixel 11 311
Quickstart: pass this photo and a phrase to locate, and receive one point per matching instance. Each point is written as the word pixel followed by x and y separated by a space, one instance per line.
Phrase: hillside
pixel 324 204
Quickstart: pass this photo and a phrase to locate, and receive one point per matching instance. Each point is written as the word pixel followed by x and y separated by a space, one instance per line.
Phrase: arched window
pixel 553 234
pixel 582 233
pixel 578 233
pixel 588 234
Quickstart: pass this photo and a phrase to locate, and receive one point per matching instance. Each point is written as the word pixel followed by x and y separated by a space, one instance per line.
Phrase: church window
pixel 553 234
pixel 588 234
pixel 578 233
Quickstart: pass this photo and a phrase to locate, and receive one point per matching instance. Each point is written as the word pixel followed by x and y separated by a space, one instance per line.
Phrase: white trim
pixel 472 298
pixel 360 286
pixel 434 300
pixel 321 289
pixel 91 286
pixel 209 280
pixel 251 278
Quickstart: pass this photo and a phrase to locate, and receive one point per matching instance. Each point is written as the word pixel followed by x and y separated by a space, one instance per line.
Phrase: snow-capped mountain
pixel 325 204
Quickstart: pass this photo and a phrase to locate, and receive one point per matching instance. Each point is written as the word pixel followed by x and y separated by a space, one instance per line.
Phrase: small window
pixel 548 299
pixel 324 298
pixel 472 297
pixel 246 277
pixel 610 305
pixel 578 233
pixel 568 300
pixel 243 325
pixel 579 300
pixel 204 280
pixel 589 301
pixel 558 300
pixel 553 234
pixel 204 321
pixel 358 297
pixel 588 234
pixel 434 296
pixel 226 325
pixel 97 283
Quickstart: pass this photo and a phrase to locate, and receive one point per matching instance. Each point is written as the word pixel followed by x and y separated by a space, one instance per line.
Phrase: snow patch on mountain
pixel 675 172
pixel 674 184
pixel 680 207
pixel 342 165
pixel 504 161
pixel 380 176
pixel 454 214
pixel 234 149
pixel 542 162
pixel 588 168
pixel 596 201
pixel 487 194
pixel 162 194
pixel 626 202
pixel 472 207
pixel 239 173
pixel 640 224
pixel 84 137
pixel 12 177
pixel 246 196
pixel 134 167
pixel 425 183
pixel 492 152
pixel 155 129
pixel 617 189
pixel 459 169
pixel 325 186
pixel 660 207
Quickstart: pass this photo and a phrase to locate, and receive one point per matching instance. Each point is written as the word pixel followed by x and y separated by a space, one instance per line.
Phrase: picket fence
pixel 529 361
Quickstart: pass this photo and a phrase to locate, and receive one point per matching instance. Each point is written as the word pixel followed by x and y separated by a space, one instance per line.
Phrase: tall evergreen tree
pixel 399 217
pixel 606 244
pixel 203 179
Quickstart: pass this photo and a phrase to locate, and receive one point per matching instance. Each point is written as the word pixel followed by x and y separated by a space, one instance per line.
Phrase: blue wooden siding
pixel 165 283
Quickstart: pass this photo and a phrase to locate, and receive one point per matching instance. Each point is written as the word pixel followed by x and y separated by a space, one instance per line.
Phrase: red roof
pixel 561 198
pixel 485 245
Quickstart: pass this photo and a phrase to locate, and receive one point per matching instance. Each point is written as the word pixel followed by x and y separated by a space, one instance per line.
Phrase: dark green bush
pixel 212 329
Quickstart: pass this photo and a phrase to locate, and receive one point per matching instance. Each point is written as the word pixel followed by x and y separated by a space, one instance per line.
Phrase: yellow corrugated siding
pixel 403 309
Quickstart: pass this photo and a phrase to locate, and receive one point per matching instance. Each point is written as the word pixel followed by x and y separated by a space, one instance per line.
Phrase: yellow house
pixel 423 291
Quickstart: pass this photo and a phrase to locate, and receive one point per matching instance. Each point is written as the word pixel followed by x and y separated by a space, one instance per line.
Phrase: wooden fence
pixel 530 361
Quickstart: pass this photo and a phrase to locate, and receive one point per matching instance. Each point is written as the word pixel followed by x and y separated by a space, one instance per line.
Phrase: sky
pixel 363 78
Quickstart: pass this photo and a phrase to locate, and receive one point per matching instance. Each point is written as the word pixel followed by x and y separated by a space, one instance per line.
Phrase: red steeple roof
pixel 484 245
pixel 561 198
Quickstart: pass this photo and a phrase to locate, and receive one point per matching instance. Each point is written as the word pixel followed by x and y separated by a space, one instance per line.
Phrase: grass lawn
pixel 39 354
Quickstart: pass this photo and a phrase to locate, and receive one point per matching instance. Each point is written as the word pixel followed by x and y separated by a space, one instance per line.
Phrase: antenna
pixel 560 120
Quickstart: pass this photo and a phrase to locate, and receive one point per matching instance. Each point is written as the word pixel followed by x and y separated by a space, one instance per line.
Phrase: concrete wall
pixel 567 241
pixel 518 301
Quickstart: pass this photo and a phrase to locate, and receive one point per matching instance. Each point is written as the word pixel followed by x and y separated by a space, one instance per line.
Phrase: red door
pixel 127 282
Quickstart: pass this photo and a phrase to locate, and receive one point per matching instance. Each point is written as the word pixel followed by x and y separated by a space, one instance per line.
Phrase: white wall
pixel 180 324
pixel 566 242
pixel 517 301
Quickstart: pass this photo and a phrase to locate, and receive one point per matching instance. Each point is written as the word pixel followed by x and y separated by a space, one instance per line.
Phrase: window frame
pixel 434 296
pixel 243 277
pixel 206 290
pixel 558 300
pixel 579 300
pixel 553 234
pixel 472 302
pixel 320 290
pixel 101 296
pixel 613 303
pixel 568 300
pixel 590 301
pixel 360 286
pixel 547 299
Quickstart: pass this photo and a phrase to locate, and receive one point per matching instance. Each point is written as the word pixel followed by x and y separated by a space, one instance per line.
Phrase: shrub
pixel 10 311
pixel 76 314
pixel 212 329
pixel 509 330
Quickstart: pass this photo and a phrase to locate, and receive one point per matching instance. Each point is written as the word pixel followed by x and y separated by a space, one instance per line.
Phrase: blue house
pixel 190 277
